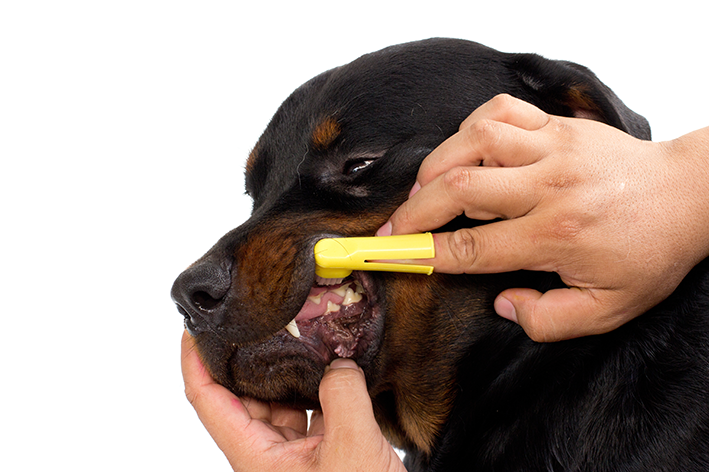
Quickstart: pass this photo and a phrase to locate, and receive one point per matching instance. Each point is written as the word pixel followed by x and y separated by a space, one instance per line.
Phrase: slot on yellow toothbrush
pixel 336 258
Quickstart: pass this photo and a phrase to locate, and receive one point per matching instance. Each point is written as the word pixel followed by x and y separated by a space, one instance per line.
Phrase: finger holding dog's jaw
pixel 258 436
pixel 231 422
pixel 349 423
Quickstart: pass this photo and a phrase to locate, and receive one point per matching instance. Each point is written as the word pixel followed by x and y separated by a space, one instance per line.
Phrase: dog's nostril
pixel 204 301
pixel 202 288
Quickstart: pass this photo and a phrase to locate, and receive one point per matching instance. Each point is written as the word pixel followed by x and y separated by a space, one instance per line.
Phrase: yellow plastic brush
pixel 336 258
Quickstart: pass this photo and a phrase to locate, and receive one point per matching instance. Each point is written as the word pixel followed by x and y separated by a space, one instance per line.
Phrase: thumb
pixel 352 439
pixel 346 406
pixel 557 314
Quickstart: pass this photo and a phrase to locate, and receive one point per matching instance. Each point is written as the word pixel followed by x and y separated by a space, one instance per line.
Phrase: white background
pixel 124 128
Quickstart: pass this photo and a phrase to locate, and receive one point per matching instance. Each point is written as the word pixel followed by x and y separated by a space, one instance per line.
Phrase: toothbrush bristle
pixel 328 281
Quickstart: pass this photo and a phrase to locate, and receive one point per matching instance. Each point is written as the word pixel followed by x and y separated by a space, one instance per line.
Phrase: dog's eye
pixel 355 166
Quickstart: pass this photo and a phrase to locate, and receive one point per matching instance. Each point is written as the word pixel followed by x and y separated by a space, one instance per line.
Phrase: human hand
pixel 621 220
pixel 257 436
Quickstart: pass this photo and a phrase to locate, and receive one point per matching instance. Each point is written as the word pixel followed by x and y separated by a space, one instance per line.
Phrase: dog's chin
pixel 342 319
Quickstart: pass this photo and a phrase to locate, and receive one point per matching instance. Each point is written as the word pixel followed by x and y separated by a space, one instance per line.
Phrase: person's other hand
pixel 621 220
pixel 257 436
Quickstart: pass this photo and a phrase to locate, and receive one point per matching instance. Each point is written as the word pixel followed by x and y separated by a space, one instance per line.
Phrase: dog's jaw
pixel 343 320
pixel 286 369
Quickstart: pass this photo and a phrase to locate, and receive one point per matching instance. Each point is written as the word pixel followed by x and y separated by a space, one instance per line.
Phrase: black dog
pixel 454 385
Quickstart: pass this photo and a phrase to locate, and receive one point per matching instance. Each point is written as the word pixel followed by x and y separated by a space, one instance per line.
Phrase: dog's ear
pixel 569 89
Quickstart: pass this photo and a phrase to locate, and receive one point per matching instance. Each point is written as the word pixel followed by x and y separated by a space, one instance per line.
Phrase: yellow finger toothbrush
pixel 336 258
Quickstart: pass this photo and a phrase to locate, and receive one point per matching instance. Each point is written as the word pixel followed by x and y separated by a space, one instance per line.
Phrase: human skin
pixel 621 220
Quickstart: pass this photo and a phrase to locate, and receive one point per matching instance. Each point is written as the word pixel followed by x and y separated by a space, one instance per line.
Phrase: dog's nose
pixel 199 291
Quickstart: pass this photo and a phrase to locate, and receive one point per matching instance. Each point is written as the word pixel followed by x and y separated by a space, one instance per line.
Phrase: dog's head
pixel 338 157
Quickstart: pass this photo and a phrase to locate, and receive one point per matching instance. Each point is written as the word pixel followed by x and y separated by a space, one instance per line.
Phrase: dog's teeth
pixel 292 328
pixel 317 298
pixel 341 291
pixel 351 297
pixel 358 287
pixel 332 308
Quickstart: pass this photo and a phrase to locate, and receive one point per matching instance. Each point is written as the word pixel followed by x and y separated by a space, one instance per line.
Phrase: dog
pixel 453 385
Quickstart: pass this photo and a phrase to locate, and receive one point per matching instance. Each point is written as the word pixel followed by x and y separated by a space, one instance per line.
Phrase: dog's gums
pixel 332 297
pixel 335 320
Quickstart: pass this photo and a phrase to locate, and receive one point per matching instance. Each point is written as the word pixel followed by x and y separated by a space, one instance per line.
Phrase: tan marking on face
pixel 265 263
pixel 582 104
pixel 325 133
pixel 424 393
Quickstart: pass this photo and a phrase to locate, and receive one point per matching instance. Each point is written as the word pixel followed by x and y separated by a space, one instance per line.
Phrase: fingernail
pixel 414 189
pixel 385 230
pixel 505 309
pixel 344 364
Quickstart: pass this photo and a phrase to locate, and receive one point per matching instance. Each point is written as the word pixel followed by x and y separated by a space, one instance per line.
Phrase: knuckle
pixel 565 228
pixel 559 126
pixel 560 180
pixel 344 379
pixel 458 181
pixel 192 395
pixel 496 106
pixel 465 247
pixel 484 134
pixel 564 134
pixel 404 217
pixel 484 138
pixel 503 101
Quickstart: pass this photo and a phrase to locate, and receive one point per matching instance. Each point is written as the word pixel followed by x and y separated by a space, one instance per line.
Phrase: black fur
pixel 459 388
